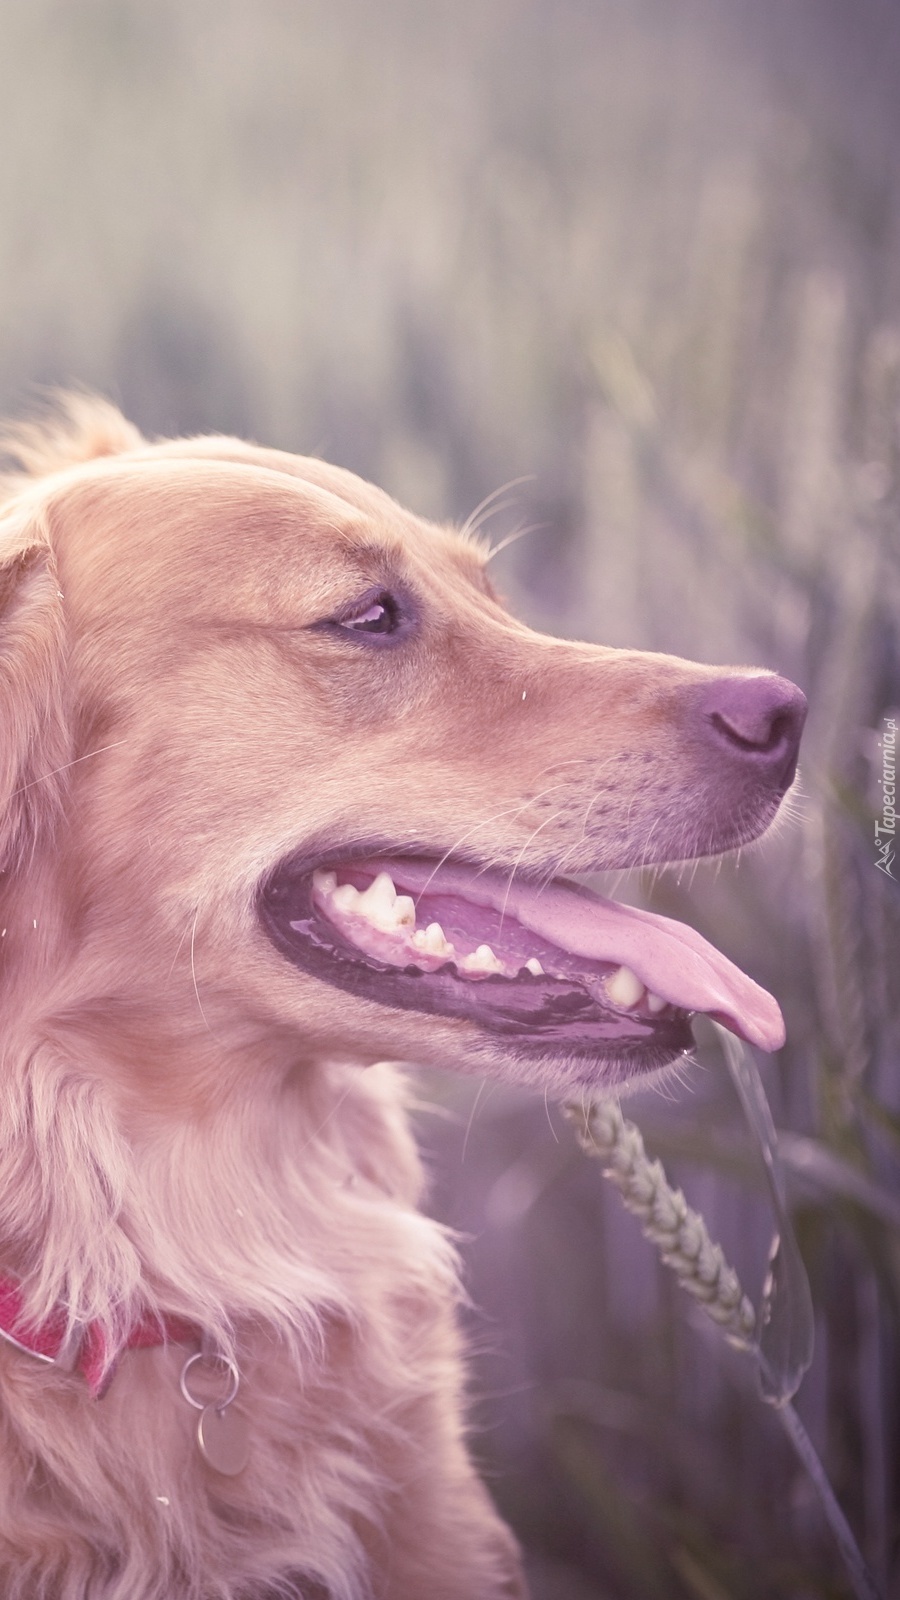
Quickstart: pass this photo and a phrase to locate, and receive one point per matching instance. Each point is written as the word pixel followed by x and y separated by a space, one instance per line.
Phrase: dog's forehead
pixel 240 535
pixel 338 481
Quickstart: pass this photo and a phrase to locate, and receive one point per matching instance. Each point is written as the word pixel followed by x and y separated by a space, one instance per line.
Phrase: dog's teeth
pixel 432 940
pixel 380 904
pixel 384 908
pixel 481 960
pixel 346 898
pixel 404 911
pixel 655 1002
pixel 533 966
pixel 380 895
pixel 624 988
pixel 377 903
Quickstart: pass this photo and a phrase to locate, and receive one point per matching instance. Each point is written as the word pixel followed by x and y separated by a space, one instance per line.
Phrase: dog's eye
pixel 378 615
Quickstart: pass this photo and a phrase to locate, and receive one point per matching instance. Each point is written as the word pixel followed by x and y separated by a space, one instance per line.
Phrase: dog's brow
pixel 371 554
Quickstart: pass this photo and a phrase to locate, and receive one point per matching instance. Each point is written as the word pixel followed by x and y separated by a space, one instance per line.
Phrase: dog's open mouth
pixel 547 967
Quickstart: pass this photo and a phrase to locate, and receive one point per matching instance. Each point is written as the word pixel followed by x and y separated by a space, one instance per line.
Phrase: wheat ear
pixel 679 1233
pixel 683 1241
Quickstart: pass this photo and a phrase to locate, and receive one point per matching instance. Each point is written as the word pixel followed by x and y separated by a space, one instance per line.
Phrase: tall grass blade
pixel 864 1586
pixel 786 1330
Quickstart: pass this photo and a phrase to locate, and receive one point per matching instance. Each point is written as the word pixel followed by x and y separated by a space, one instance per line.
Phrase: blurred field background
pixel 645 255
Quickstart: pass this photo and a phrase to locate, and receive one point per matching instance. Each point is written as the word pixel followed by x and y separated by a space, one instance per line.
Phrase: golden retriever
pixel 287 794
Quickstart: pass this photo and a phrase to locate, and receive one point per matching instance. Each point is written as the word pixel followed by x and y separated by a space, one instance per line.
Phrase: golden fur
pixel 187 1125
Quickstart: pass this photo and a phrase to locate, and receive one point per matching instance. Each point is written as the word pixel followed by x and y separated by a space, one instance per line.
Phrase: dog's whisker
pixel 548 821
pixel 478 827
pixel 484 1089
pixel 513 538
pixel 194 974
pixel 45 776
pixel 184 934
pixel 547 1114
pixel 316 1134
pixel 471 524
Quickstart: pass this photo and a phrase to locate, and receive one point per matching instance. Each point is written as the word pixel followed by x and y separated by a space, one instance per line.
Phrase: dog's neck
pixel 215 1217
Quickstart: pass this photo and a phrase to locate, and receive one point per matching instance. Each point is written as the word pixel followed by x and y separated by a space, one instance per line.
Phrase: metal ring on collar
pixel 228 1367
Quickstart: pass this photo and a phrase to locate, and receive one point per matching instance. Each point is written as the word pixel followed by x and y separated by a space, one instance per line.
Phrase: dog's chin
pixel 566 1073
pixel 540 983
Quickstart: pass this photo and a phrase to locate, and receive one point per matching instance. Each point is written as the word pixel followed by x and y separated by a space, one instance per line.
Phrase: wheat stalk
pixel 679 1233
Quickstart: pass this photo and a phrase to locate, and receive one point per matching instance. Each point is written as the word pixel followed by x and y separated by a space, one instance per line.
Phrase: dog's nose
pixel 759 719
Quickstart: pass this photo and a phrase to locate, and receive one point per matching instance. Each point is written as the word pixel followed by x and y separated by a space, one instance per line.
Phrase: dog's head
pixel 280 768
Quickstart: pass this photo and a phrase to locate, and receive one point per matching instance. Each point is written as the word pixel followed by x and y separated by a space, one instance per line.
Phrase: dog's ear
pixel 34 732
pixel 35 741
pixel 74 428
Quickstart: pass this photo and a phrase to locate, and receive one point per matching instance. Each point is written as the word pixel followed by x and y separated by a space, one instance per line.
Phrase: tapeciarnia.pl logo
pixel 885 830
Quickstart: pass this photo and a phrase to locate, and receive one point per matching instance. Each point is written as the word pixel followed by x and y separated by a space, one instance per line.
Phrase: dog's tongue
pixel 671 959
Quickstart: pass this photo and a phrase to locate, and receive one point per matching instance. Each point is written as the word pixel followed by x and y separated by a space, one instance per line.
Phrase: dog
pixel 289 796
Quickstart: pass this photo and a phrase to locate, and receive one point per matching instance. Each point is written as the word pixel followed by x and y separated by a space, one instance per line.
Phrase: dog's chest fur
pixel 350 1386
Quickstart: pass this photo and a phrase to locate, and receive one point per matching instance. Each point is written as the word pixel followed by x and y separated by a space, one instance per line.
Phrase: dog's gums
pixel 541 966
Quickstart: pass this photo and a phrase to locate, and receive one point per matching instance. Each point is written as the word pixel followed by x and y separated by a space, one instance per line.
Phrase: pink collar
pixel 90 1354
